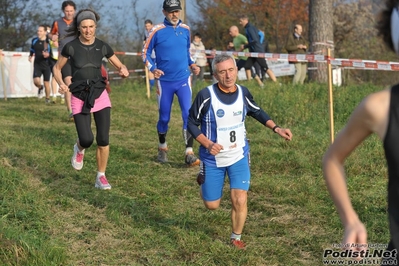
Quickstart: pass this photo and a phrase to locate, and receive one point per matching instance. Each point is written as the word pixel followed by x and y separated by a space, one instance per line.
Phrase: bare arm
pixel 369 117
pixel 123 72
pixel 283 132
pixel 57 73
pixel 213 148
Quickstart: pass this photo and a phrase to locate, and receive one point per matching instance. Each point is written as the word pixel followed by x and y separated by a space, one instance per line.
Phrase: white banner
pixel 281 68
pixel 16 79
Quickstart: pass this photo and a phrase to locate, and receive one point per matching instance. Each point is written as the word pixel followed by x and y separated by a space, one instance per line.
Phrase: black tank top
pixel 391 147
pixel 86 60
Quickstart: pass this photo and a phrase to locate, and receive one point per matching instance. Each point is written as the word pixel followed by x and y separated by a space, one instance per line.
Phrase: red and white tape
pixel 319 58
pixel 365 64
pixel 127 53
pixel 131 71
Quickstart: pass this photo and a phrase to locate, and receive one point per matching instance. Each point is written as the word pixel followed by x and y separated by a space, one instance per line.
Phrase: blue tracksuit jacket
pixel 172 50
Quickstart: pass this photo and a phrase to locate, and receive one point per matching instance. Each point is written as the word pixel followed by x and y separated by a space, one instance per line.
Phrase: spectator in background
pixel 224 147
pixel 255 46
pixel 258 70
pixel 377 114
pixel 263 41
pixel 209 59
pixel 296 44
pixel 239 41
pixel 148 27
pixel 198 57
pixel 52 60
pixel 40 49
pixel 230 46
pixel 89 95
pixel 171 42
pixel 59 34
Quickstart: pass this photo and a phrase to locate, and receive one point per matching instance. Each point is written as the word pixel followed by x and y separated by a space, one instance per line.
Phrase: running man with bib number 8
pixel 220 110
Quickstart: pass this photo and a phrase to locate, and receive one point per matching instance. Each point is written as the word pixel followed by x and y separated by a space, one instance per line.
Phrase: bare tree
pixel 18 21
pixel 321 34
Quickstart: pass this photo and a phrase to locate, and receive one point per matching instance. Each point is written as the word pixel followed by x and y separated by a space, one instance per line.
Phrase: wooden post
pixel 2 75
pixel 330 94
pixel 147 82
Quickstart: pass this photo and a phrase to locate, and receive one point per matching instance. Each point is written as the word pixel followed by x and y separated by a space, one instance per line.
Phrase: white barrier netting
pixel 16 79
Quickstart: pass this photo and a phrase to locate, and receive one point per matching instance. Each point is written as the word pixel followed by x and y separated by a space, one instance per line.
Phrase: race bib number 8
pixel 231 137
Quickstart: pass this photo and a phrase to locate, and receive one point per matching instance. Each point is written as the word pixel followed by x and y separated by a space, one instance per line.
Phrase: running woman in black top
pixel 88 89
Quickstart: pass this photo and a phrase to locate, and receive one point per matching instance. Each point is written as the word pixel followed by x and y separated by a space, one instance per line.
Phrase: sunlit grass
pixel 51 214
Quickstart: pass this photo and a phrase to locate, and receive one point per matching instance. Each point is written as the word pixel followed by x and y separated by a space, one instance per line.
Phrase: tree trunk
pixel 183 11
pixel 321 35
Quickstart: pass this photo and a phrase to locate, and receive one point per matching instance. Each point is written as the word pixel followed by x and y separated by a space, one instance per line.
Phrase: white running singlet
pixel 230 128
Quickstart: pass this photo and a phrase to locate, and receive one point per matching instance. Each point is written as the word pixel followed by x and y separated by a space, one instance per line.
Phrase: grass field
pixel 51 214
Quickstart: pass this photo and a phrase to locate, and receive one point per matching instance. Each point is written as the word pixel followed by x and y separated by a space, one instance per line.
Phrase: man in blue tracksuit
pixel 171 42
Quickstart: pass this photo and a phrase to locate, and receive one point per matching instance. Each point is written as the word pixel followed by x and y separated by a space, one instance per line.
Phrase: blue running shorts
pixel 238 173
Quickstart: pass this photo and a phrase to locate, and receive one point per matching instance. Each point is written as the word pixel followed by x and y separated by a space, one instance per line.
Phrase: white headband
pixel 395 29
pixel 86 15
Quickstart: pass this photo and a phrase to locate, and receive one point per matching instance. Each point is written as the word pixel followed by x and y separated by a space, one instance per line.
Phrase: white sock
pixel 189 150
pixel 99 174
pixel 162 145
pixel 235 236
